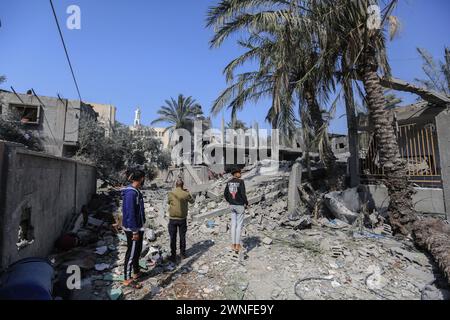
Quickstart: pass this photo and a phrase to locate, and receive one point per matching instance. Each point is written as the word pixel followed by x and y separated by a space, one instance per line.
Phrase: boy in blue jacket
pixel 133 225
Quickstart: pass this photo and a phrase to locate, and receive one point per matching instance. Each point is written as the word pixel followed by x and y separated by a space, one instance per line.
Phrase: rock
pixel 200 198
pixel 275 293
pixel 335 284
pixel 375 281
pixel 243 285
pixel 267 241
pixel 304 222
pixel 344 205
pixel 420 259
pixel 150 235
pixel 203 269
pixel 431 292
pixel 212 205
pixel 115 294
pixel 420 277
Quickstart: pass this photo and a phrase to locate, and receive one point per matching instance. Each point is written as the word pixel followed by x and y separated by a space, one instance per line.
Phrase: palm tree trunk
pixel 401 212
pixel 318 123
pixel 352 125
pixel 434 236
pixel 430 234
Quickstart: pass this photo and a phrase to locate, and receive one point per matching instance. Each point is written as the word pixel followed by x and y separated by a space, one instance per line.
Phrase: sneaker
pixel 173 258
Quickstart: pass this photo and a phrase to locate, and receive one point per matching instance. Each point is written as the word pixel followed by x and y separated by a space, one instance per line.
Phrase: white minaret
pixel 137 117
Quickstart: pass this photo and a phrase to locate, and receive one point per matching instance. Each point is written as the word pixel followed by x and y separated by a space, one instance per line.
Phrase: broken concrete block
pixel 431 292
pixel 213 196
pixel 375 281
pixel 211 205
pixel 267 241
pixel 305 222
pixel 215 213
pixel 420 259
pixel 339 203
pixel 150 235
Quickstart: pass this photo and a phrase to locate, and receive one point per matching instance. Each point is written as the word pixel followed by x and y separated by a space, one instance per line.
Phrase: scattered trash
pixel 113 277
pixel 102 266
pixel 115 294
pixel 122 237
pixel 366 234
pixel 101 250
pixel 210 224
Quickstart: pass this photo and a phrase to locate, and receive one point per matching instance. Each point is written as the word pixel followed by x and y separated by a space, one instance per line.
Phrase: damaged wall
pixel 426 200
pixel 39 194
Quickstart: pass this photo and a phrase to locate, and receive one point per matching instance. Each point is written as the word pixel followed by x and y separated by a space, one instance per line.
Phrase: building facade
pixel 106 115
pixel 54 121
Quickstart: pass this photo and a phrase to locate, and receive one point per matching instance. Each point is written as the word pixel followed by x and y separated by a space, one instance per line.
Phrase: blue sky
pixel 139 52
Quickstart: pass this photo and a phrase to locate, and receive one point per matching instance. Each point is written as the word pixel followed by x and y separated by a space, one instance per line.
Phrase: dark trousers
pixel 174 225
pixel 134 250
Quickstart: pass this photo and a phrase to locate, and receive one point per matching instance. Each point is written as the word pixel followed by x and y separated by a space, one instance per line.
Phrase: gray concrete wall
pixel 426 200
pixel 52 189
pixel 443 133
pixel 58 122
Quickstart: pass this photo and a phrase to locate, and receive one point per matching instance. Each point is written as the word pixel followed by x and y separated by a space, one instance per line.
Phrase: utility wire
pixel 65 49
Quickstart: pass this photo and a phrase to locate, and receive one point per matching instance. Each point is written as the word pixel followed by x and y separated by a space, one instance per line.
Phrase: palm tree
pixel 437 72
pixel 362 50
pixel 237 125
pixel 353 49
pixel 179 114
pixel 289 65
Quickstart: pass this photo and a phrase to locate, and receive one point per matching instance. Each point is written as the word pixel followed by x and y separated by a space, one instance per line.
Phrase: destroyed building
pixel 106 115
pixel 54 121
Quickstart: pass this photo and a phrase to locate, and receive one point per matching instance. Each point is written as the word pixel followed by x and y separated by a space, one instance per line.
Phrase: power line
pixel 65 49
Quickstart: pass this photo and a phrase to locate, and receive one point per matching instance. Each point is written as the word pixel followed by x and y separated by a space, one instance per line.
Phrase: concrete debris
pixel 150 235
pixel 339 203
pixel 375 280
pixel 410 256
pixel 431 292
pixel 315 257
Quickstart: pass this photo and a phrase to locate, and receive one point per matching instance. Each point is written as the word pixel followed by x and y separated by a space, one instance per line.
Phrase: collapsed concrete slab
pixel 225 210
pixel 344 205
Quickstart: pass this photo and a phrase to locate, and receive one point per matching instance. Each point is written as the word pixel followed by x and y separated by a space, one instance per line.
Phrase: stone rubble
pixel 288 255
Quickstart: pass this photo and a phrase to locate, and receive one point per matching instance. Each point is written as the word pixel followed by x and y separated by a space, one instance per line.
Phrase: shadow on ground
pixel 251 243
pixel 194 253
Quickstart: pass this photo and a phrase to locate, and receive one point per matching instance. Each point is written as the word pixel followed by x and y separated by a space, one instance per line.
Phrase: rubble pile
pixel 303 254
